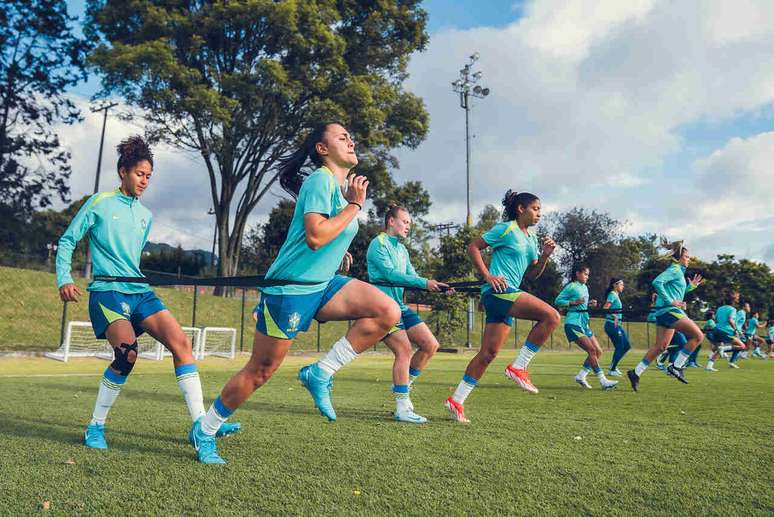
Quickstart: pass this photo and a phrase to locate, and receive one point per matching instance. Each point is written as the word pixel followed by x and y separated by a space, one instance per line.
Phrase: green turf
pixel 671 449
pixel 30 318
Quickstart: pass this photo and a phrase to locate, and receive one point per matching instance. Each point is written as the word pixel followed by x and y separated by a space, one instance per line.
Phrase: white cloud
pixel 587 103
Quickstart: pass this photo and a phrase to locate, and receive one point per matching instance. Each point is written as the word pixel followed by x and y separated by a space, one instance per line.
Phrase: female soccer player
pixel 323 226
pixel 613 327
pixel 724 335
pixel 575 298
pixel 118 226
pixel 671 287
pixel 388 261
pixel 514 250
pixel 741 319
pixel 770 338
pixel 754 341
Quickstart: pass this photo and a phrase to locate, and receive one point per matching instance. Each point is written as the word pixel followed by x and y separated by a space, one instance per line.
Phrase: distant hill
pixel 159 247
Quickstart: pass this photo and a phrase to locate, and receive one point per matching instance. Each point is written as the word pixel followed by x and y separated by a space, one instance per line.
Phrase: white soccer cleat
pixel 733 365
pixel 607 384
pixel 710 369
pixel 583 382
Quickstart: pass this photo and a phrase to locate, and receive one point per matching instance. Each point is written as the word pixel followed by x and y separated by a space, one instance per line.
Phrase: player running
pixel 117 226
pixel 515 249
pixel 389 262
pixel 575 299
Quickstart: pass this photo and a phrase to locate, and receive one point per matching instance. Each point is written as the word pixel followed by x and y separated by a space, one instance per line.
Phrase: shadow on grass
pixel 50 430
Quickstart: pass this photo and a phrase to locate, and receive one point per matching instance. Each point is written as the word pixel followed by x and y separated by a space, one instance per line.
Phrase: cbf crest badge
pixel 125 309
pixel 293 321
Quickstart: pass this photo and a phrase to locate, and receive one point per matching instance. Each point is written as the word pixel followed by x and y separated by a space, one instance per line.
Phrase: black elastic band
pixel 356 203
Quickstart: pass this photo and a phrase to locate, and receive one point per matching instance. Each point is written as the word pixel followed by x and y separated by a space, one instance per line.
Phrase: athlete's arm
pixel 498 283
pixel 540 265
pixel 320 230
pixel 658 285
pixel 78 227
pixel 381 268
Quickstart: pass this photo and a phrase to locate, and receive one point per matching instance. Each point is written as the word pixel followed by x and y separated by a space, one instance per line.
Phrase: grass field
pixel 671 449
pixel 30 318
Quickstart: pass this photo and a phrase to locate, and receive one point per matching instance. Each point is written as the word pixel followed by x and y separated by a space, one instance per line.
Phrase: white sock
pixel 191 387
pixel 601 376
pixel 725 348
pixel 464 388
pixel 341 353
pixel 402 404
pixel 216 415
pixel 710 364
pixel 582 374
pixel 526 354
pixel 682 358
pixel 107 394
pixel 641 367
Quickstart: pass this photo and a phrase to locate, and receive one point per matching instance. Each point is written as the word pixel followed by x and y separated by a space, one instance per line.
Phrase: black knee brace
pixel 125 356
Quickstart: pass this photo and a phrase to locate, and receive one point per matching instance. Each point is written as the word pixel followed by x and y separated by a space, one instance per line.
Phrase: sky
pixel 658 112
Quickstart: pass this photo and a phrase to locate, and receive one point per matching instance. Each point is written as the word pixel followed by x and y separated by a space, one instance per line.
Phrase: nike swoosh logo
pixel 115 217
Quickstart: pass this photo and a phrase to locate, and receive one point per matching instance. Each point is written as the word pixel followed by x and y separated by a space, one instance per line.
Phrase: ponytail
pixel 611 285
pixel 392 211
pixel 291 176
pixel 513 200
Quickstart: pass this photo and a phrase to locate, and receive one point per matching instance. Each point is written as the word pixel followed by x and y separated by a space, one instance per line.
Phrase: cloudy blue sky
pixel 659 112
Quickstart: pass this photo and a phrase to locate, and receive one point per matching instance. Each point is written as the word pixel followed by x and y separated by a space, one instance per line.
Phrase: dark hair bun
pixel 132 151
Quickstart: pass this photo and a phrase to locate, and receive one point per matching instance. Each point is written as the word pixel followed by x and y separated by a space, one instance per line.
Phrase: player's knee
pixel 487 356
pixel 261 372
pixel 124 357
pixel 552 318
pixel 391 314
pixel 431 347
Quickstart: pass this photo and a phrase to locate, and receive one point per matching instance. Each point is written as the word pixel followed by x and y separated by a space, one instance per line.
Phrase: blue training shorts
pixel 498 305
pixel 669 317
pixel 285 315
pixel 718 336
pixel 105 307
pixel 408 319
pixel 574 332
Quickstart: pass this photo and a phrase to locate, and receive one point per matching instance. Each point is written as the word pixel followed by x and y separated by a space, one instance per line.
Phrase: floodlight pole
pixel 466 87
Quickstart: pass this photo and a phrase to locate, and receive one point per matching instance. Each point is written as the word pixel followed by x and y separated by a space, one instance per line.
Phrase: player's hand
pixel 696 280
pixel 678 304
pixel 436 286
pixel 499 283
pixel 579 301
pixel 593 304
pixel 346 263
pixel 356 189
pixel 548 246
pixel 69 293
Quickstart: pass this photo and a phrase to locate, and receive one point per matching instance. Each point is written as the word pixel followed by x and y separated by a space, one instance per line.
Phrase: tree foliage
pixel 239 82
pixel 40 57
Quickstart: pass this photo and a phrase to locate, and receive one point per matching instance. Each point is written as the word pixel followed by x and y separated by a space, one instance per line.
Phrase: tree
pixel 579 233
pixel 238 82
pixel 263 241
pixel 40 58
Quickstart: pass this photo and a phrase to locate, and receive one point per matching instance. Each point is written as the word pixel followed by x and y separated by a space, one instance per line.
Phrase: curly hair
pixel 132 151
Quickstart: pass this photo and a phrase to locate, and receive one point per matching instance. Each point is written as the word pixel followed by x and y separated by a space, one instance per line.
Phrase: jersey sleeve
pixel 568 294
pixel 659 283
pixel 318 194
pixel 382 269
pixel 611 298
pixel 494 237
pixel 78 227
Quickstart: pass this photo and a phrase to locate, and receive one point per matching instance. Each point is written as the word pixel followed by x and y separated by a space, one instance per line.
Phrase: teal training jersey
pixel 670 286
pixel 724 316
pixel 741 317
pixel 319 194
pixel 571 292
pixel 615 303
pixel 388 261
pixel 512 253
pixel 771 332
pixel 118 227
pixel 710 324
pixel 752 326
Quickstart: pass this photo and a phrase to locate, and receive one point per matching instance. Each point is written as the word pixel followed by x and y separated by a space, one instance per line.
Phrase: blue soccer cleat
pixel 227 429
pixel 94 436
pixel 205 446
pixel 320 385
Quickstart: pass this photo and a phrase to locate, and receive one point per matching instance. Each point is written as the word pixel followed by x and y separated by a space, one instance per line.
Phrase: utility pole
pixel 105 108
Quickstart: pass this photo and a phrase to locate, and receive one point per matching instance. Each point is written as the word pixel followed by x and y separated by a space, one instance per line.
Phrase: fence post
pixel 318 336
pixel 64 324
pixel 242 324
pixel 193 312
